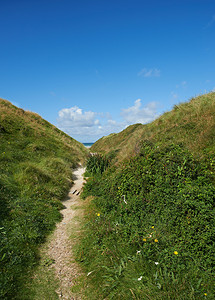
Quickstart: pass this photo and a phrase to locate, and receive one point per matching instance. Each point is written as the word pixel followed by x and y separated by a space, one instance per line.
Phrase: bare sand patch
pixel 60 248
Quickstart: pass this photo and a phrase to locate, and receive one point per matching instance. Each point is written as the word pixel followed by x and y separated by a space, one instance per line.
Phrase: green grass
pixel 150 224
pixel 36 161
pixel 42 283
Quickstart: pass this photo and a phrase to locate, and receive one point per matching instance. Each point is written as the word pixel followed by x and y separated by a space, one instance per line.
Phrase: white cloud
pixel 112 122
pixel 75 118
pixel 149 72
pixel 88 126
pixel 138 114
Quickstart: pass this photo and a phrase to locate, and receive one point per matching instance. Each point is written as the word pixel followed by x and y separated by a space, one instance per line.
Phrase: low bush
pixel 97 164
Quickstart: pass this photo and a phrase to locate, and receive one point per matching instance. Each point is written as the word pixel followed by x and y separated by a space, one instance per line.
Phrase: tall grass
pixel 97 164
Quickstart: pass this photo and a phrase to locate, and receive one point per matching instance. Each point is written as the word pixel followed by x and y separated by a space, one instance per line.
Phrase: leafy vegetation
pixel 149 228
pixel 36 161
pixel 97 163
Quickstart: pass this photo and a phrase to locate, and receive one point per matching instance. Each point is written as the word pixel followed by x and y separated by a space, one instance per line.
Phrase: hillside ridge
pixel 191 123
pixel 36 169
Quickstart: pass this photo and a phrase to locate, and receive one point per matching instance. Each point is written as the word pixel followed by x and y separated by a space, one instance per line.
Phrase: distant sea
pixel 88 145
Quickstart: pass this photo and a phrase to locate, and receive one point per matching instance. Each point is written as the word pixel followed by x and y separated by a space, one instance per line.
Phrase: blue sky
pixel 94 67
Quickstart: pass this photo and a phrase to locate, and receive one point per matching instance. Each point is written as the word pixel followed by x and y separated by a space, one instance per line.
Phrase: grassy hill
pixel 150 225
pixel 36 161
pixel 191 123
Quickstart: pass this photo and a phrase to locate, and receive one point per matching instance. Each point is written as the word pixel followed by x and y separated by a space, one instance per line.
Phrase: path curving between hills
pixel 60 247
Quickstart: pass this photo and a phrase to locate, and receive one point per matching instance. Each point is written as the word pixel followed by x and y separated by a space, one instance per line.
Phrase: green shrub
pixel 97 164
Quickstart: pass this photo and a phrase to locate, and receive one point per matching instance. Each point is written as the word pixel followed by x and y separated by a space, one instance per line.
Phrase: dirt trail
pixel 60 248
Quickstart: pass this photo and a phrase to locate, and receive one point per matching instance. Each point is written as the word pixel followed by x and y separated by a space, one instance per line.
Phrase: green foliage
pixel 97 164
pixel 150 228
pixel 36 162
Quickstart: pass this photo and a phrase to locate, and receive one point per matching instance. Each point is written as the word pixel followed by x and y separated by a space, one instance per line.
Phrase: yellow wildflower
pixel 153 227
pixel 98 214
pixel 176 252
pixel 205 294
pixel 144 240
pixel 156 240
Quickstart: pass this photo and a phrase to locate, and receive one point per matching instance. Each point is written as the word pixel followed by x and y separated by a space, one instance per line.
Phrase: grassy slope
pixel 191 123
pixel 159 243
pixel 36 161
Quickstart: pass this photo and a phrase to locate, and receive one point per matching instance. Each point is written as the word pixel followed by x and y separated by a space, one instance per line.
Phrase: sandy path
pixel 60 248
